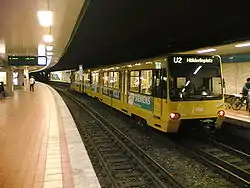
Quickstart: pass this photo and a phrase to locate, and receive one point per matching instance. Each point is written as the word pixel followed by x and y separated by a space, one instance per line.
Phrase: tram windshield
pixel 195 81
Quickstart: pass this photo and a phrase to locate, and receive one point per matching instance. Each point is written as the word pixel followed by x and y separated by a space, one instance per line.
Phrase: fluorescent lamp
pixel 49 53
pixel 2 47
pixel 41 50
pixel 49 48
pixel 206 51
pixel 45 18
pixel 48 38
pixel 242 45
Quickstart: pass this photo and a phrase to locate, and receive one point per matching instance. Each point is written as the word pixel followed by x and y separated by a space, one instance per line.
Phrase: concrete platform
pixel 40 144
pixel 240 118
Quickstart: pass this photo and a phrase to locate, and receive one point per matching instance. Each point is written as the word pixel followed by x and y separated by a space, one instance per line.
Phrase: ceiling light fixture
pixel 48 38
pixel 242 45
pixel 41 50
pixel 45 18
pixel 49 48
pixel 2 49
pixel 206 51
pixel 49 53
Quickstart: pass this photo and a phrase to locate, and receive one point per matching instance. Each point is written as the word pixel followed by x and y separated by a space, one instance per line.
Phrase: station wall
pixel 235 75
pixel 60 76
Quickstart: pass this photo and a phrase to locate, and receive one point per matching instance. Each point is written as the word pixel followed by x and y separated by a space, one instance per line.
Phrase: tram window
pixel 95 78
pixel 77 77
pixel 116 79
pixel 111 79
pixel 87 78
pixel 157 84
pixel 190 84
pixel 216 85
pixel 160 83
pixel 134 81
pixel 164 83
pixel 84 78
pixel 146 82
pixel 125 84
pixel 105 79
pixel 181 82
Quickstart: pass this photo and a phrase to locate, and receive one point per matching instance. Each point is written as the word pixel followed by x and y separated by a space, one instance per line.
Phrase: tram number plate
pixel 199 109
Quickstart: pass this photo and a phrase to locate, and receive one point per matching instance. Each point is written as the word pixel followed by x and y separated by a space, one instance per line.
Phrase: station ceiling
pixel 115 31
pixel 225 49
pixel 21 33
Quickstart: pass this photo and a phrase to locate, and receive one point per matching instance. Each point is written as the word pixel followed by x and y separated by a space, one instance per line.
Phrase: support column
pixel 10 86
pixel 20 79
pixel 26 72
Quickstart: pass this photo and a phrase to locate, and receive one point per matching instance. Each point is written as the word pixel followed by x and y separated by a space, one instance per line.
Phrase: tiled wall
pixel 235 75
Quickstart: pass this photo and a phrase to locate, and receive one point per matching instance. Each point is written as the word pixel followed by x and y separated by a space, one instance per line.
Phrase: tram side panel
pixel 87 83
pixel 148 99
pixel 111 86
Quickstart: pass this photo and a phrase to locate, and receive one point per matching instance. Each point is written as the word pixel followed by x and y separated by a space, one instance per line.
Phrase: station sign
pixel 27 60
pixel 192 59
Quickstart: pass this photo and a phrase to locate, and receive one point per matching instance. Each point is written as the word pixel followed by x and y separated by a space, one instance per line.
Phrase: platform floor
pixel 240 117
pixel 40 145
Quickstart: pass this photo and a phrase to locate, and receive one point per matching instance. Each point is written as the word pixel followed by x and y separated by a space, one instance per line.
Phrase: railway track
pixel 232 163
pixel 125 163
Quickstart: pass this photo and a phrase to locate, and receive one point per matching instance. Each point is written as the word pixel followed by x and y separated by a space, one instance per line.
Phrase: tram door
pixel 159 93
pixel 124 87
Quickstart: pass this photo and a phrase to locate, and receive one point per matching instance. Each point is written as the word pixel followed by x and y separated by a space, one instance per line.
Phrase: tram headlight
pixel 221 113
pixel 174 116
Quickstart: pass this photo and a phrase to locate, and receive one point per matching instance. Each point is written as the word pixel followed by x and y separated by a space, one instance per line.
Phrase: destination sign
pixel 27 60
pixel 179 59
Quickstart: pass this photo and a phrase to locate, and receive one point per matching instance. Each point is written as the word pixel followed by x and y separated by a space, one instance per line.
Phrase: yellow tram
pixel 163 92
